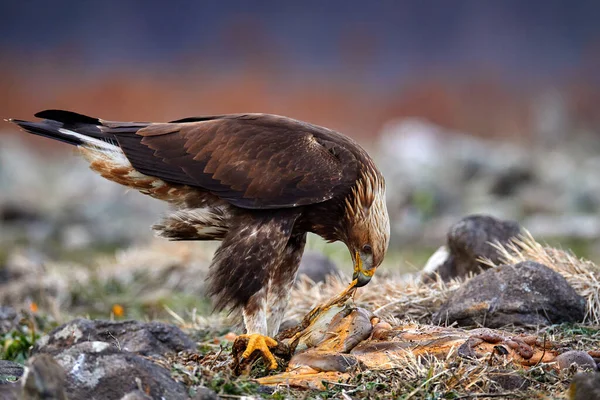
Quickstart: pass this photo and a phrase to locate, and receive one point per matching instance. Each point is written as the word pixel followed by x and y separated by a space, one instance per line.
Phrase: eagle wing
pixel 254 161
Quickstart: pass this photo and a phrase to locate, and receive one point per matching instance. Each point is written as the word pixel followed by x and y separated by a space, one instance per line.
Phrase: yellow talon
pixel 259 342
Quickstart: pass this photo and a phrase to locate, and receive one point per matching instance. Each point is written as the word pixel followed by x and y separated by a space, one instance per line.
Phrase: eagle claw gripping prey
pixel 262 344
pixel 256 182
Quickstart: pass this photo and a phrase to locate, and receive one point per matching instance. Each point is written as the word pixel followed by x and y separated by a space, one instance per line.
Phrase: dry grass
pixel 387 296
pixel 406 297
pixel 175 268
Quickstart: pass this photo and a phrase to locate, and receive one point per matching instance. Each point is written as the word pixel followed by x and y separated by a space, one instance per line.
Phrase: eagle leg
pixel 261 343
pixel 254 269
pixel 265 309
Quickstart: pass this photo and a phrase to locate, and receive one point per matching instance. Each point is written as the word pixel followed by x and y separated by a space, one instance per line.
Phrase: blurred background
pixel 467 106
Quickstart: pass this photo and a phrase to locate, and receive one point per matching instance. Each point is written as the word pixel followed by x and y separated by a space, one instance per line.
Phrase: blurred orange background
pixel 478 67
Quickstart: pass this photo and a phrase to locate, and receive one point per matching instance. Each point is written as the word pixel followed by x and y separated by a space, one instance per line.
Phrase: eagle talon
pixel 259 342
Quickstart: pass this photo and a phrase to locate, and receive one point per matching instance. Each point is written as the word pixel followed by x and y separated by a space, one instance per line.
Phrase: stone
pixel 316 266
pixel 527 293
pixel 509 380
pixel 18 213
pixel 204 393
pixel 113 360
pixel 136 395
pixel 10 371
pixel 585 386
pixel 509 181
pixel 10 391
pixel 8 319
pixel 468 241
pixel 45 379
pixel 580 359
pixel 102 370
pixel 147 339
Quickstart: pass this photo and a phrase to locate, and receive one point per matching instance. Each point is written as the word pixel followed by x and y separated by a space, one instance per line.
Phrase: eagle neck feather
pixel 369 186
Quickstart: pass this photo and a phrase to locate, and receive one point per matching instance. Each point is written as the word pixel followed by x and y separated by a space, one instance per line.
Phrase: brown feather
pixel 257 182
pixel 257 161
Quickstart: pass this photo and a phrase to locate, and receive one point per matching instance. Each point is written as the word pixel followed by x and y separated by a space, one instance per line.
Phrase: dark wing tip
pixel 67 117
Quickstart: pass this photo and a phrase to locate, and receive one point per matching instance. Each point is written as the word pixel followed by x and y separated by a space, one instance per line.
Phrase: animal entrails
pixel 256 182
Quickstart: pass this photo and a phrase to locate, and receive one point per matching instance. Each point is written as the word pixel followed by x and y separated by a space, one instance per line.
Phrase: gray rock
pixel 17 213
pixel 204 393
pixel 45 379
pixel 316 266
pixel 110 360
pixel 8 319
pixel 469 240
pixel 10 371
pixel 10 391
pixel 148 339
pixel 527 293
pixel 103 371
pixel 585 386
pixel 581 359
pixel 509 380
pixel 136 395
pixel 509 181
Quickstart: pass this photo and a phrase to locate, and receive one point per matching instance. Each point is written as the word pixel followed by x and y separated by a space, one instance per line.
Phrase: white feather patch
pixel 90 141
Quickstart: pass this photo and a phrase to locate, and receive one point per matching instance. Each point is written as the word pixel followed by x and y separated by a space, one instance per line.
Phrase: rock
pixel 147 339
pixel 204 393
pixel 316 266
pixel 468 241
pixel 10 391
pixel 585 386
pixel 45 379
pixel 136 395
pixel 508 182
pixel 581 359
pixel 112 360
pixel 10 371
pixel 527 293
pixel 8 319
pixel 509 380
pixel 17 213
pixel 102 370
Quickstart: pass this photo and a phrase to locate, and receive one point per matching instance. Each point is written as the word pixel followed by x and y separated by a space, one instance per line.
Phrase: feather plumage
pixel 257 182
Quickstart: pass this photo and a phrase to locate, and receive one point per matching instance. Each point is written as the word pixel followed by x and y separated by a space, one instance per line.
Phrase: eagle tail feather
pixel 44 129
pixel 72 128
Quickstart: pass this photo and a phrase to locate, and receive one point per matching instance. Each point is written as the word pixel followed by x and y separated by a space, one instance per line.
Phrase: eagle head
pixel 367 226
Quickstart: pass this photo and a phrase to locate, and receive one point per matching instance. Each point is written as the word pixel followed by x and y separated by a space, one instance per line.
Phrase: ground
pixel 117 287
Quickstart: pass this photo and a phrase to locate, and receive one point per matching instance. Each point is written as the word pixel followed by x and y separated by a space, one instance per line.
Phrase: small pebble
pixel 580 358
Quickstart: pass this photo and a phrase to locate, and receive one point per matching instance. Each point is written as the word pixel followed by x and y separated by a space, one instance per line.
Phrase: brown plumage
pixel 257 182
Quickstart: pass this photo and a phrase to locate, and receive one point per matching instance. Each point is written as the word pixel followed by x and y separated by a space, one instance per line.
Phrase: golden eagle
pixel 256 182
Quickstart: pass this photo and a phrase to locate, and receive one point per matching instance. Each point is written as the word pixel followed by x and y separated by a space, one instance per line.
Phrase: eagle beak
pixel 362 276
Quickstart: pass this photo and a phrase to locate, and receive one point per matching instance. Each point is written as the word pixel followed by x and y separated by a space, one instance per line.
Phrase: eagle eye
pixel 367 249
